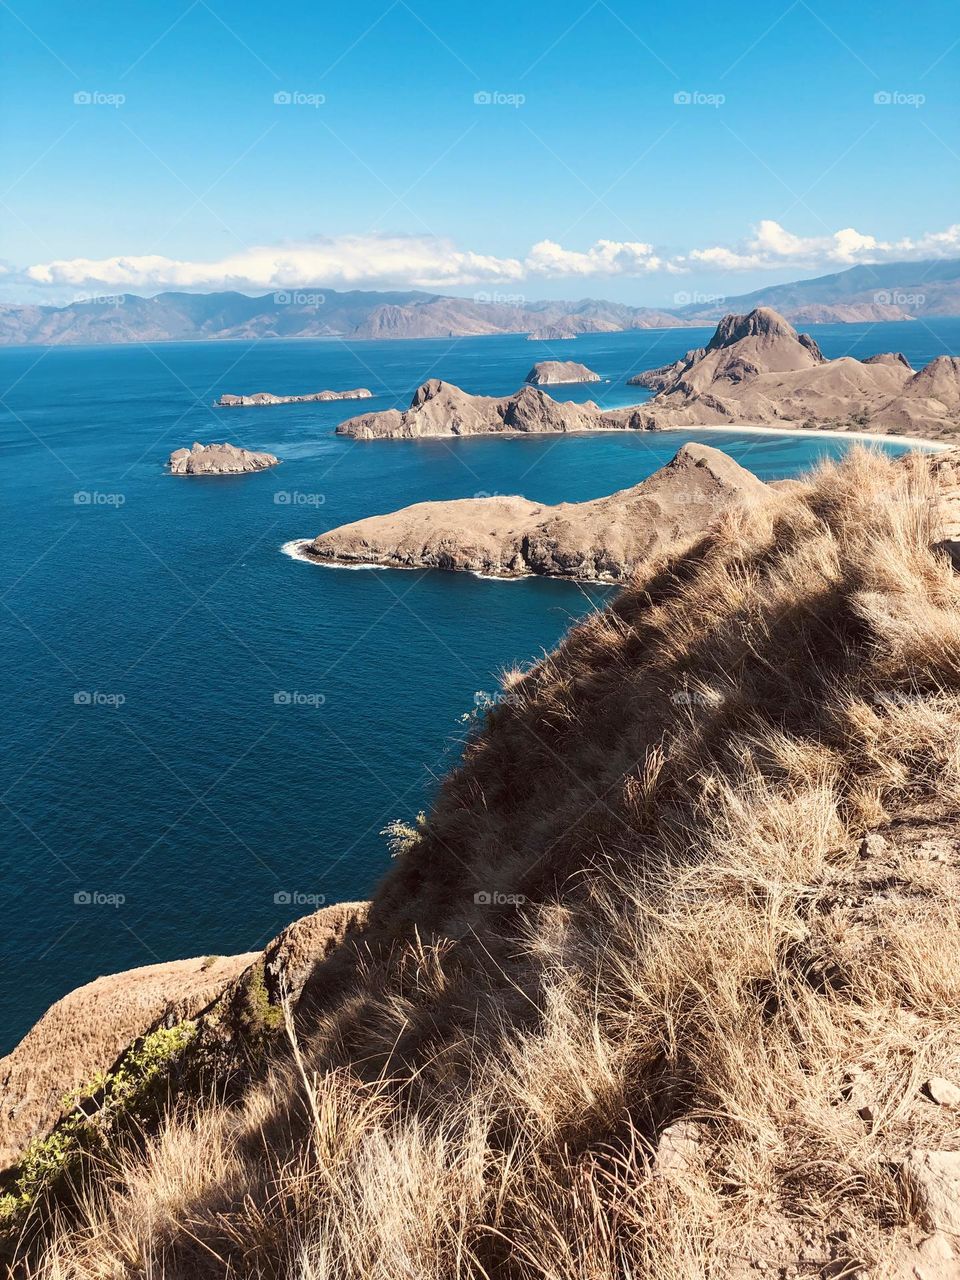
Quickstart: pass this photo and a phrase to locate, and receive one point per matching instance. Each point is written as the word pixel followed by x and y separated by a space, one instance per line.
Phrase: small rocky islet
pixel 218 460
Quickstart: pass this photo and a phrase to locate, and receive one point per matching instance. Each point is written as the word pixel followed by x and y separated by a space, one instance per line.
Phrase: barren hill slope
pixel 666 983
pixel 603 540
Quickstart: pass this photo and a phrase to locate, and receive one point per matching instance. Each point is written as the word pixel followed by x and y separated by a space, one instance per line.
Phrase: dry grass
pixel 677 796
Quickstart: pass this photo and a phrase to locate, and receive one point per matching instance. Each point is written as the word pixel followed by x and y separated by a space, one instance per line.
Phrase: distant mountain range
pixel 891 291
pixel 886 291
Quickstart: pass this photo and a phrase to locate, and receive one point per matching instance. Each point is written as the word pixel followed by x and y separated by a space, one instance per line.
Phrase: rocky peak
pixel 763 322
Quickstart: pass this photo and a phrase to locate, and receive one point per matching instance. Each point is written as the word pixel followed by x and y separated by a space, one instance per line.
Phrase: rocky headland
pixel 548 373
pixel 218 460
pixel 664 375
pixel 81 1040
pixel 441 409
pixel 755 371
pixel 601 541
pixel 267 397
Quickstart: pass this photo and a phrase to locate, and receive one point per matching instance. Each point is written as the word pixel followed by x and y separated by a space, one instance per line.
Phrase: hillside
pixel 883 291
pixel 306 313
pixel 664 986
pixel 887 291
pixel 756 370
pixel 605 540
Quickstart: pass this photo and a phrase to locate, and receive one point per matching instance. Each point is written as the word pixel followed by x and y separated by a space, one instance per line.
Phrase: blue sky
pixel 142 146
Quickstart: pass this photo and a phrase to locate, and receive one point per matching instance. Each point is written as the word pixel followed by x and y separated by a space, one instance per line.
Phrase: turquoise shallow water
pixel 209 730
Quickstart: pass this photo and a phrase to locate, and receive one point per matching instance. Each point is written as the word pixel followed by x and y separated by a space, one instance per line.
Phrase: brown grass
pixel 677 796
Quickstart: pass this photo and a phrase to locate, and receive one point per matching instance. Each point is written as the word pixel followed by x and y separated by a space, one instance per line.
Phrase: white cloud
pixel 428 262
pixel 772 245
pixel 605 258
pixel 418 261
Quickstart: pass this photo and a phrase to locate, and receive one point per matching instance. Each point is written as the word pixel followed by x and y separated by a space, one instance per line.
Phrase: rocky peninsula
pixel 441 409
pixel 547 373
pixel 267 397
pixel 601 541
pixel 755 371
pixel 218 460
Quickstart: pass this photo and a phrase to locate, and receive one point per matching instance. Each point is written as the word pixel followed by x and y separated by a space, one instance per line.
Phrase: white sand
pixel 880 437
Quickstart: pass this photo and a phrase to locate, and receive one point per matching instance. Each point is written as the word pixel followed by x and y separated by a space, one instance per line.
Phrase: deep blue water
pixel 148 628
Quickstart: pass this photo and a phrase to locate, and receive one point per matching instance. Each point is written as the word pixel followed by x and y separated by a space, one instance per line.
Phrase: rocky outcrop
pixel 266 397
pixel 442 409
pixel 666 374
pixel 218 460
pixel 756 370
pixel 82 1037
pixel 604 540
pixel 83 1034
pixel 548 373
pixel 889 357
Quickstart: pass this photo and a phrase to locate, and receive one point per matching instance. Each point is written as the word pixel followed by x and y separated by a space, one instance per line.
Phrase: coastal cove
pixel 233 728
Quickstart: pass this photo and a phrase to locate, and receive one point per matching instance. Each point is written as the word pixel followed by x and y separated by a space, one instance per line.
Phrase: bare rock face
pixel 602 540
pixel 757 369
pixel 547 373
pixel 218 460
pixel 266 397
pixel 942 1091
pixel 666 374
pixel 87 1031
pixel 678 1153
pixel 83 1034
pixel 935 1177
pixel 889 357
pixel 441 409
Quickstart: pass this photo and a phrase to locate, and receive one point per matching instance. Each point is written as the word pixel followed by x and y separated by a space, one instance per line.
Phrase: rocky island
pixel 508 537
pixel 755 371
pixel 218 460
pixel 441 409
pixel 547 373
pixel 266 397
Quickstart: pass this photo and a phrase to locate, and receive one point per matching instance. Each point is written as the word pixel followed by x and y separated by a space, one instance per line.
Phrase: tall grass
pixel 673 807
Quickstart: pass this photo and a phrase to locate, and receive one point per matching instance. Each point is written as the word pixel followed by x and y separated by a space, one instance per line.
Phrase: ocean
pixel 204 737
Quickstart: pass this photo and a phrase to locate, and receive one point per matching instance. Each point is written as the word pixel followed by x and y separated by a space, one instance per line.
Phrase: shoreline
pixel 295 550
pixel 874 436
pixel 916 442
